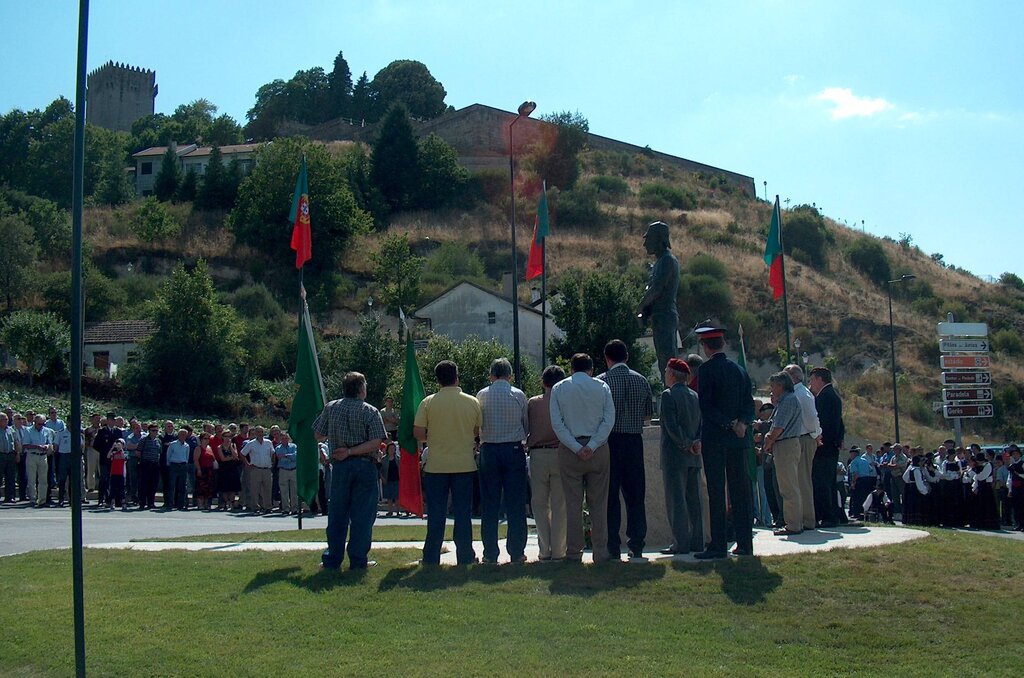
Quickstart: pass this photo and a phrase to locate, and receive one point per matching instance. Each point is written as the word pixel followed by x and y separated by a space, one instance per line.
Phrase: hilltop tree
pixel 408 83
pixel 339 84
pixel 556 157
pixel 443 181
pixel 806 236
pixel 363 103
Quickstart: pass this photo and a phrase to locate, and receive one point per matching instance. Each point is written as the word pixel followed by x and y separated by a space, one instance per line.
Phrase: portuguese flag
pixel 773 254
pixel 302 238
pixel 410 491
pixel 751 457
pixel 535 264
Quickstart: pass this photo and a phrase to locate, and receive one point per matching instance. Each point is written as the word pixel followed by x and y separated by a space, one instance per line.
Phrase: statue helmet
pixel 658 231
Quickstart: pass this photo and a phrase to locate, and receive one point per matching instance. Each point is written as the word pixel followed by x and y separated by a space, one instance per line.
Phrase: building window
pixel 492 318
pixel 146 168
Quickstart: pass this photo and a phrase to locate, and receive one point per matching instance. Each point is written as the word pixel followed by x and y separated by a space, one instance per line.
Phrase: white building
pixel 467 309
pixel 191 157
pixel 113 342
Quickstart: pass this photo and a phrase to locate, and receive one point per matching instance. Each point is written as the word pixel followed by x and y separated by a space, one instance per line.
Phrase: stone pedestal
pixel 658 533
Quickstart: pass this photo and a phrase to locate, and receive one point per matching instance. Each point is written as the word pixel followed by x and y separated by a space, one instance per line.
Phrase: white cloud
pixel 792 79
pixel 847 105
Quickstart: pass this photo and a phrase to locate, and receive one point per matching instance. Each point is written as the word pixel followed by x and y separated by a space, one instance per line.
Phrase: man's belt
pixel 544 447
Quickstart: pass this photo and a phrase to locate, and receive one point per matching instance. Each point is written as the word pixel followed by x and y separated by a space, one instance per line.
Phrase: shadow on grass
pixel 566 579
pixel 322 580
pixel 745 581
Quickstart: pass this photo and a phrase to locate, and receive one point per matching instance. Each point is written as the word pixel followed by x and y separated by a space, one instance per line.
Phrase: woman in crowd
pixel 205 461
pixel 229 474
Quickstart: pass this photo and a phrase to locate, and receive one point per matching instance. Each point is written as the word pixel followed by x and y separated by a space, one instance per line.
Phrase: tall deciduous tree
pixel 17 257
pixel 397 272
pixel 195 354
pixel 38 339
pixel 443 181
pixel 594 308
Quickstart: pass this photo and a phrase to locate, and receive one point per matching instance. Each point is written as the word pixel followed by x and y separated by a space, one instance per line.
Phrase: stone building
pixel 111 343
pixel 118 94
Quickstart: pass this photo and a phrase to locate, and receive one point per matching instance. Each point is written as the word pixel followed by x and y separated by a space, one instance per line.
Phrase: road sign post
pixel 964 348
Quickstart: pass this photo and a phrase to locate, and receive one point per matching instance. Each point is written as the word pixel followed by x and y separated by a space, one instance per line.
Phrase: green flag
pixel 751 457
pixel 307 405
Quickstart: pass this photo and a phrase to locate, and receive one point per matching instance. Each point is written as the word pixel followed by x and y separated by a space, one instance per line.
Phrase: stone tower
pixel 118 94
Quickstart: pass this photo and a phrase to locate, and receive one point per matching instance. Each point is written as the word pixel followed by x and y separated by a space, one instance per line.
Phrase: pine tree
pixel 167 179
pixel 396 169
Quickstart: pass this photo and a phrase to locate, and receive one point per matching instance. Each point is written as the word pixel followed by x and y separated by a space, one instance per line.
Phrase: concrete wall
pixel 118 353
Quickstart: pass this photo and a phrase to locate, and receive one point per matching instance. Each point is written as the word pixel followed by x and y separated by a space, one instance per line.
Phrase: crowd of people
pixel 572 456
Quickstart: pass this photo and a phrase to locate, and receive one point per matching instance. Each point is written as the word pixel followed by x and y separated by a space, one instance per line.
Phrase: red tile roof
pixel 118 331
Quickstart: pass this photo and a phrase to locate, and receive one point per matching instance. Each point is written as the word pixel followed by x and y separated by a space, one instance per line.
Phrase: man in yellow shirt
pixel 448 422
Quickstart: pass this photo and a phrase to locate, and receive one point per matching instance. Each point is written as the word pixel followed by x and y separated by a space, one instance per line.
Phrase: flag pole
pixel 77 320
pixel 785 287
pixel 544 292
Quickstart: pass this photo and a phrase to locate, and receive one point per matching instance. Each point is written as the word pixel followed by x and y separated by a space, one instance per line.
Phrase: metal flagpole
pixel 544 289
pixel 785 287
pixel 302 312
pixel 77 327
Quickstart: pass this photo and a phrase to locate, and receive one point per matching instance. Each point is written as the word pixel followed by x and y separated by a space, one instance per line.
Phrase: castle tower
pixel 118 94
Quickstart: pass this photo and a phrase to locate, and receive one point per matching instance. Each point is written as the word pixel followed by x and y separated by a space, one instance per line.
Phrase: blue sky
pixel 906 115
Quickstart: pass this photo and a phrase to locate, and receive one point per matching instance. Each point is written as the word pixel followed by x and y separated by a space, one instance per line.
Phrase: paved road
pixel 25 529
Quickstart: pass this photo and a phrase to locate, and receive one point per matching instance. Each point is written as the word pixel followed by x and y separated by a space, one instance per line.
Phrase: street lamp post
pixel 525 109
pixel 892 350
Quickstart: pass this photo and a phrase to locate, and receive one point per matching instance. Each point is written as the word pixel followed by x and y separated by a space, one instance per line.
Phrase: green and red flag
pixel 751 457
pixel 773 254
pixel 535 263
pixel 410 491
pixel 306 406
pixel 302 237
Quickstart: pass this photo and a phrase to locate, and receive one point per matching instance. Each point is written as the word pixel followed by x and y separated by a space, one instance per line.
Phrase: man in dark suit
pixel 826 457
pixel 631 394
pixel 727 409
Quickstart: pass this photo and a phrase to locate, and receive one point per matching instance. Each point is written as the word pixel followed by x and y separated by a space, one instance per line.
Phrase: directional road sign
pixel 963 330
pixel 964 345
pixel 967 394
pixel 966 378
pixel 963 361
pixel 966 411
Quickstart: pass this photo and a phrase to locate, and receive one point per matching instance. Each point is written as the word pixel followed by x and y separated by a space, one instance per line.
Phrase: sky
pixel 899 117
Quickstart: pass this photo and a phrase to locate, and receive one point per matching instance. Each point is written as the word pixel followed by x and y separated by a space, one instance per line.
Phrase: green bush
pixel 154 222
pixel 1009 342
pixel 868 256
pixel 453 260
pixel 657 195
pixel 804 229
pixel 1012 280
pixel 610 188
pixel 578 207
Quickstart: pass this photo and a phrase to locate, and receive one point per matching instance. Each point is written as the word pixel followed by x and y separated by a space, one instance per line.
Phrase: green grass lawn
pixel 380 533
pixel 862 612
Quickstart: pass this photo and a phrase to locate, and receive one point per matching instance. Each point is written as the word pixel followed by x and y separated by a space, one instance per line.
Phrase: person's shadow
pixel 321 580
pixel 745 581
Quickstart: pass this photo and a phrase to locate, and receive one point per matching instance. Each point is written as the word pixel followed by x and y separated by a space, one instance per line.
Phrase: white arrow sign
pixel 964 345
pixel 963 330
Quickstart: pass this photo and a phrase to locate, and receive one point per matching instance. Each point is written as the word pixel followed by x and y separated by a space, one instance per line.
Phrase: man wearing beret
pixel 680 460
pixel 727 409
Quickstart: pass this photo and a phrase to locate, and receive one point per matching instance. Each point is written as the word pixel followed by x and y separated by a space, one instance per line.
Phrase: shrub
pixel 867 255
pixel 610 188
pixel 1009 342
pixel 657 195
pixel 804 229
pixel 578 207
pixel 1011 280
pixel 454 260
pixel 154 222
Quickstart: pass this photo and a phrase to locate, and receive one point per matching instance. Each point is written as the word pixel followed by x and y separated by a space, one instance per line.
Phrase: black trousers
pixel 861 489
pixel 823 482
pixel 149 476
pixel 729 466
pixel 626 475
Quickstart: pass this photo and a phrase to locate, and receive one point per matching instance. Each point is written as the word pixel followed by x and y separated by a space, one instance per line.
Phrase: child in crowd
pixel 117 458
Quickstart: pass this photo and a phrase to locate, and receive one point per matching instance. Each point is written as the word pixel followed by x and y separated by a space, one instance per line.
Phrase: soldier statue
pixel 659 302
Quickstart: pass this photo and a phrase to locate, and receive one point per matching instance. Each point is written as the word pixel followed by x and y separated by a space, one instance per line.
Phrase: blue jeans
pixel 437 487
pixel 503 473
pixel 351 512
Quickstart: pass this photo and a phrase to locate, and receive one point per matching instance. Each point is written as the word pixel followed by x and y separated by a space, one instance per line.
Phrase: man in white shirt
pixel 582 416
pixel 810 432
pixel 258 455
